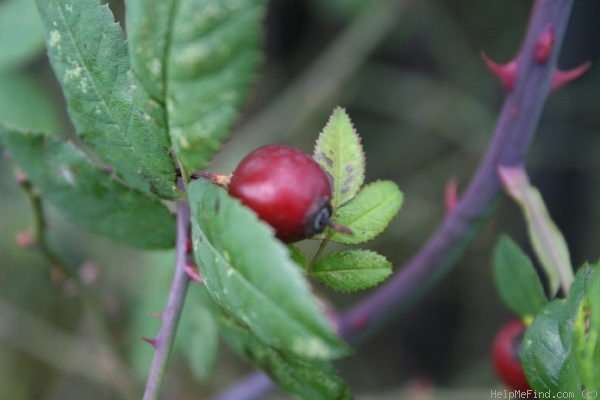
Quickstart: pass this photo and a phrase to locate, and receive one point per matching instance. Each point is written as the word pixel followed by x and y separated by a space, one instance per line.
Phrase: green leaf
pixel 516 279
pixel 352 270
pixel 307 379
pixel 587 335
pixel 546 352
pixel 546 347
pixel 21 33
pixel 88 196
pixel 369 213
pixel 340 153
pixel 252 277
pixel 198 57
pixel 298 257
pixel 111 111
pixel 197 332
pixel 548 242
pixel 19 95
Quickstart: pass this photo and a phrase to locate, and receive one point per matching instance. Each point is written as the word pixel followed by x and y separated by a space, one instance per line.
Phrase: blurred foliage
pixel 425 106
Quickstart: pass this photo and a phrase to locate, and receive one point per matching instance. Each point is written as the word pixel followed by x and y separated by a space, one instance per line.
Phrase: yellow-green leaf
pixel 339 151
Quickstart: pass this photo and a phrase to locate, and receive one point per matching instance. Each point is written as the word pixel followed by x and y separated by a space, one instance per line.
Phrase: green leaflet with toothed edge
pixel 352 270
pixel 369 213
pixel 111 111
pixel 88 196
pixel 198 58
pixel 339 152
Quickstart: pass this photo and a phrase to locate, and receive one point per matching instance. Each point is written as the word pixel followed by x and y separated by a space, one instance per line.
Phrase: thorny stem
pixel 58 271
pixel 513 134
pixel 172 312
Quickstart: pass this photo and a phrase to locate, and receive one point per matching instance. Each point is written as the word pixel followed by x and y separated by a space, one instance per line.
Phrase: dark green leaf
pixel 516 279
pixel 546 352
pixel 198 58
pixel 307 379
pixel 21 33
pixel 112 113
pixel 19 97
pixel 88 196
pixel 340 153
pixel 369 213
pixel 546 347
pixel 352 270
pixel 251 275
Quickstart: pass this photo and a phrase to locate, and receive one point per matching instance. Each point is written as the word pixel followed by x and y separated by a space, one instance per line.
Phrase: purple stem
pixel 172 312
pixel 514 132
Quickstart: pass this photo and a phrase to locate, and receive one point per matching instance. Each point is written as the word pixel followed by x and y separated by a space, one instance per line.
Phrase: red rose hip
pixel 505 351
pixel 286 188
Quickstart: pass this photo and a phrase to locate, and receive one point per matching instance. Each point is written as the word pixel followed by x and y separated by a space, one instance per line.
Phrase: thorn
pixel 192 272
pixel 451 195
pixel 24 239
pixel 151 342
pixel 189 246
pixel 360 322
pixel 507 73
pixel 88 273
pixel 217 179
pixel 156 315
pixel 107 169
pixel 562 78
pixel 69 286
pixel 543 46
pixel 340 228
pixel 21 177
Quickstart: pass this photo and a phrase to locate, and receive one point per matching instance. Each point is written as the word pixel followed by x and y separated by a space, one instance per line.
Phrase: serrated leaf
pixel 305 378
pixel 340 153
pixel 197 331
pixel 251 276
pixel 21 33
pixel 369 213
pixel 548 242
pixel 352 270
pixel 198 57
pixel 111 112
pixel 516 279
pixel 546 350
pixel 88 196
pixel 19 95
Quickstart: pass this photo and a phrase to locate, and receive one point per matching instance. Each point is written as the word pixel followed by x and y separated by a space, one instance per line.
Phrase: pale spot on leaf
pixel 54 39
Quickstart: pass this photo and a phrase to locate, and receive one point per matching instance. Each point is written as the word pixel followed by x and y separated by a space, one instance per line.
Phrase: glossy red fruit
pixel 506 355
pixel 286 188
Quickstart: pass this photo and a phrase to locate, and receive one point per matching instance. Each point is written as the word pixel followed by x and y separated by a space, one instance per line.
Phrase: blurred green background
pixel 411 77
